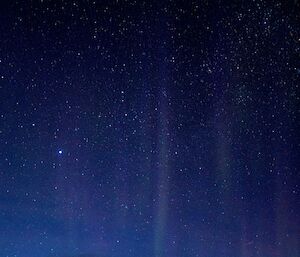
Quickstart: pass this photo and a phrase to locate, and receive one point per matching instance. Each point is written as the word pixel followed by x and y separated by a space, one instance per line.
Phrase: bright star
pixel 60 151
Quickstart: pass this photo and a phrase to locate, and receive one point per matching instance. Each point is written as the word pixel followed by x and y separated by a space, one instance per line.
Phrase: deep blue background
pixel 149 128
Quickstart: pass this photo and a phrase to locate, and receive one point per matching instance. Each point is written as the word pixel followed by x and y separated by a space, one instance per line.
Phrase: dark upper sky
pixel 149 128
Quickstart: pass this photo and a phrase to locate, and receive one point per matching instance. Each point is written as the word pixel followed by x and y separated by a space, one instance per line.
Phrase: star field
pixel 149 128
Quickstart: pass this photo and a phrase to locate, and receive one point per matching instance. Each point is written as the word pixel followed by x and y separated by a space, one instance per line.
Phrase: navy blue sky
pixel 149 128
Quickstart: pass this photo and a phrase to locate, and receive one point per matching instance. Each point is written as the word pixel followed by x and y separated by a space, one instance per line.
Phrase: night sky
pixel 149 128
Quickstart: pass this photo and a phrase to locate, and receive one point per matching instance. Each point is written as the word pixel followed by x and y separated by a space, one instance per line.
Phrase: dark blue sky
pixel 149 128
